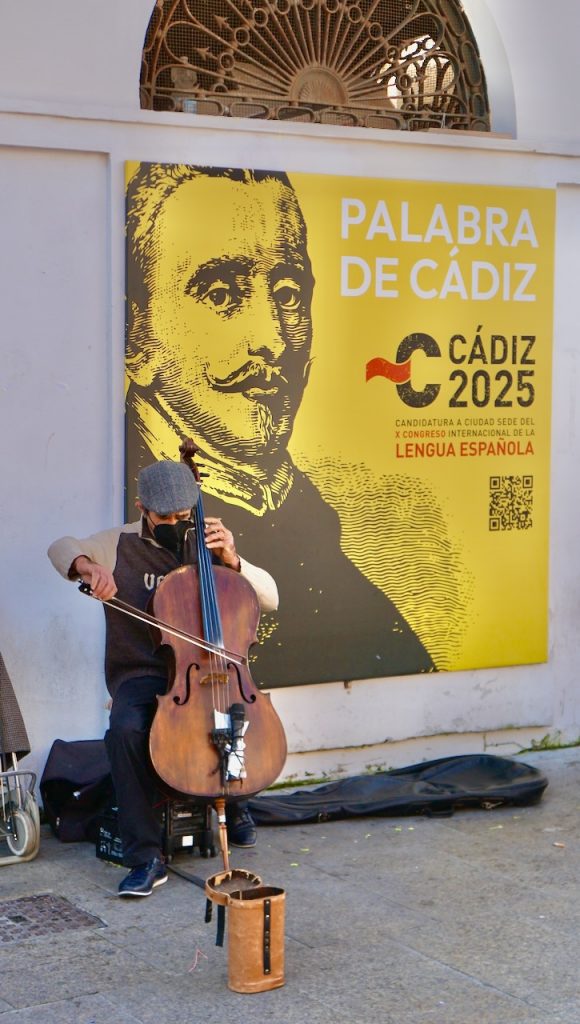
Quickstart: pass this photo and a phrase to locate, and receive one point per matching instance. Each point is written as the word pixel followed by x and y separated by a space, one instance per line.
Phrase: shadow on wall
pixel 500 88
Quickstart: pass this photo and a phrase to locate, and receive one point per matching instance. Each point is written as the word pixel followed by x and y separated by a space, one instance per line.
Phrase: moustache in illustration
pixel 250 375
pixel 255 375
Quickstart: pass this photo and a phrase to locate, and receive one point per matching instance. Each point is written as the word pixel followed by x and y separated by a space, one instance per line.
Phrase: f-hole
pixel 177 700
pixel 248 700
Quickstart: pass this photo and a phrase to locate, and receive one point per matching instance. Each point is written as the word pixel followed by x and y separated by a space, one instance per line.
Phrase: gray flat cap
pixel 167 487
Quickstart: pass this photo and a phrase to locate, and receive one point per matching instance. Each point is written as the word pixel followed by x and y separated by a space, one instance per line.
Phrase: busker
pixel 128 562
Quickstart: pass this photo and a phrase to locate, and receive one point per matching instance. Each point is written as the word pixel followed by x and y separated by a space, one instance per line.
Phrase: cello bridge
pixel 212 678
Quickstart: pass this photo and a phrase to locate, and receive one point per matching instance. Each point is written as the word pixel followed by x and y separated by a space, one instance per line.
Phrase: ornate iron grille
pixel 411 64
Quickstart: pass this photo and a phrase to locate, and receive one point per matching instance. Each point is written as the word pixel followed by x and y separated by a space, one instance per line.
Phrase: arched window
pixel 410 64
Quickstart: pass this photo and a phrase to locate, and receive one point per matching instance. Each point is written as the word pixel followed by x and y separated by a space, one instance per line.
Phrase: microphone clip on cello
pixel 228 736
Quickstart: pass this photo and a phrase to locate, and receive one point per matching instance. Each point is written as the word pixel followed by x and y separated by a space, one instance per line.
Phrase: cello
pixel 214 735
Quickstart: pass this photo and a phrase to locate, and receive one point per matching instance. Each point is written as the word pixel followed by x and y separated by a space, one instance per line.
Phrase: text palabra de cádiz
pixel 463 225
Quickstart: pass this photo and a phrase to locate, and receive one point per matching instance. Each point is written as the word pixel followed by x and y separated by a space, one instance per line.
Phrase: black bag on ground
pixel 75 788
pixel 433 787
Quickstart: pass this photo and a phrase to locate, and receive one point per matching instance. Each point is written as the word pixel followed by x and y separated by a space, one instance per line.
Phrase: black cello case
pixel 437 787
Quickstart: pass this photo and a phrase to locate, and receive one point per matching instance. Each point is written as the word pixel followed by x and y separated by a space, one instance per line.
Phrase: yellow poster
pixel 365 366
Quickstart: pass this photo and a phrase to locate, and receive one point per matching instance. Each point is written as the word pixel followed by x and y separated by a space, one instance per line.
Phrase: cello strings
pixel 203 582
pixel 211 615
pixel 212 628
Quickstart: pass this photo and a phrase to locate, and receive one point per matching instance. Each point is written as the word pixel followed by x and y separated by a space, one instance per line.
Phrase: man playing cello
pixel 128 562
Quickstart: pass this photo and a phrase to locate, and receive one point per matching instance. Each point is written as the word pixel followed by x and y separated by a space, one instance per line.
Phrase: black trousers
pixel 139 801
pixel 127 740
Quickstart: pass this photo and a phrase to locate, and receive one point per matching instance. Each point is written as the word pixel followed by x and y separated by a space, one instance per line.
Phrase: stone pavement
pixel 472 919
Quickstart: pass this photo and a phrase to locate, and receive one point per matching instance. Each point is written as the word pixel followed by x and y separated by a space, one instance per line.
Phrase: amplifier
pixel 109 846
pixel 186 826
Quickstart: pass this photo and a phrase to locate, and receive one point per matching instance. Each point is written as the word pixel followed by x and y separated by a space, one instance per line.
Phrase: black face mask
pixel 172 536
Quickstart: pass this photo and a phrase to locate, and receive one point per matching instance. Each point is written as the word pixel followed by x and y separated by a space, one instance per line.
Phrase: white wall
pixel 73 52
pixel 69 118
pixel 540 40
pixel 55 434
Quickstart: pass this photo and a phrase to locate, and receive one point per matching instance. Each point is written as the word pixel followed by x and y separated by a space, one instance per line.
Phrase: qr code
pixel 511 500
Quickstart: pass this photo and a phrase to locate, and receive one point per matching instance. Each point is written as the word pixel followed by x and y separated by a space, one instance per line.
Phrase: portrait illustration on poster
pixel 365 366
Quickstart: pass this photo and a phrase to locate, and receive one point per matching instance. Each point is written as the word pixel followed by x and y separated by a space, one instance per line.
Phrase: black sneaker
pixel 241 826
pixel 143 878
